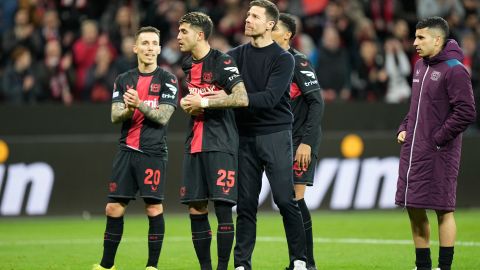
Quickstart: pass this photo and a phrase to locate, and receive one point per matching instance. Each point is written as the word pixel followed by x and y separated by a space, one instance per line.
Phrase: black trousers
pixel 272 153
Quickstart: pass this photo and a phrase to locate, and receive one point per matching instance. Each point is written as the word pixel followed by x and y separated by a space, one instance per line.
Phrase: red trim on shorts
pixel 133 134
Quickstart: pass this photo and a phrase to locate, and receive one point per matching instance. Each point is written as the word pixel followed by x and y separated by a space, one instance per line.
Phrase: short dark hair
pixel 147 29
pixel 289 21
pixel 270 8
pixel 200 20
pixel 435 22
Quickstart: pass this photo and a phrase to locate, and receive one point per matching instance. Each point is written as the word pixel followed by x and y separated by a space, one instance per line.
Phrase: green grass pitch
pixel 343 240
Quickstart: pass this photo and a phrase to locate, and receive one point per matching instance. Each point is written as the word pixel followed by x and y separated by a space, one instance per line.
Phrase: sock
pixel 423 259
pixel 156 230
pixel 445 258
pixel 111 240
pixel 307 225
pixel 225 233
pixel 202 237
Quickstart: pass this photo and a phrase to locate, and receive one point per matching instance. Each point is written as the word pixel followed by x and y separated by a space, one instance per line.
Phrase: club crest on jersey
pixel 155 87
pixel 304 64
pixel 308 74
pixel 417 72
pixel 435 75
pixel 207 76
pixel 173 80
pixel 227 62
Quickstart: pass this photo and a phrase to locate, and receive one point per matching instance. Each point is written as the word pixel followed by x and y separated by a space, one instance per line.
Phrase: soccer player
pixel 210 160
pixel 265 129
pixel 143 100
pixel 442 107
pixel 307 107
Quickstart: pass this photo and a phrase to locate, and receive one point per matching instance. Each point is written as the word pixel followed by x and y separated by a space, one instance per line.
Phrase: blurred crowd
pixel 71 50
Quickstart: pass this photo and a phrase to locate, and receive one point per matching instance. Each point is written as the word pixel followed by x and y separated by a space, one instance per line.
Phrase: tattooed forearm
pixel 160 115
pixel 120 112
pixel 238 98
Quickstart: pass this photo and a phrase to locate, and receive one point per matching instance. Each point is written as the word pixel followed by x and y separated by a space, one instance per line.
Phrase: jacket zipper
pixel 414 131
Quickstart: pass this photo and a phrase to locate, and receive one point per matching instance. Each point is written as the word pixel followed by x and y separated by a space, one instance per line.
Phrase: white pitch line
pixel 361 241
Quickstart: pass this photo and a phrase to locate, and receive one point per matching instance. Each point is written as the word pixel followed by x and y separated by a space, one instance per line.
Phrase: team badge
pixel 227 62
pixel 155 87
pixel 435 75
pixel 304 64
pixel 298 172
pixel 112 186
pixel 207 76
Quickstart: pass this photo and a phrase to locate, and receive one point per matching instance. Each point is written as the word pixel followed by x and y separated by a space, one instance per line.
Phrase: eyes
pixel 146 43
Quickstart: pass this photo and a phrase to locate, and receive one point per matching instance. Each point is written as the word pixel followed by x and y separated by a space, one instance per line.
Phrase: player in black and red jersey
pixel 307 107
pixel 210 160
pixel 143 100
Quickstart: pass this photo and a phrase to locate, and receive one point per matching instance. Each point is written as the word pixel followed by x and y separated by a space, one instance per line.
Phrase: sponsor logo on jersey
pixel 151 103
pixel 232 69
pixel 309 74
pixel 310 83
pixel 115 94
pixel 416 80
pixel 172 88
pixel 169 96
pixel 201 90
pixel 231 78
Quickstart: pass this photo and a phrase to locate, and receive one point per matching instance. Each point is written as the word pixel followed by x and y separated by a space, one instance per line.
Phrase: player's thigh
pixel 151 175
pixel 122 182
pixel 221 171
pixel 194 186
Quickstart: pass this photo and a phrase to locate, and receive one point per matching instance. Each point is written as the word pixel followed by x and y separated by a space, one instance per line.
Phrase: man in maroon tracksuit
pixel 442 107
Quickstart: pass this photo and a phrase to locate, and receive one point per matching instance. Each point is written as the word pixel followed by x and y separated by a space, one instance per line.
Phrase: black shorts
pixel 301 176
pixel 135 171
pixel 209 176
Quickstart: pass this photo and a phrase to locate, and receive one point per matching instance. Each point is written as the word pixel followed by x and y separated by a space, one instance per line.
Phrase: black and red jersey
pixel 215 129
pixel 158 87
pixel 304 94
